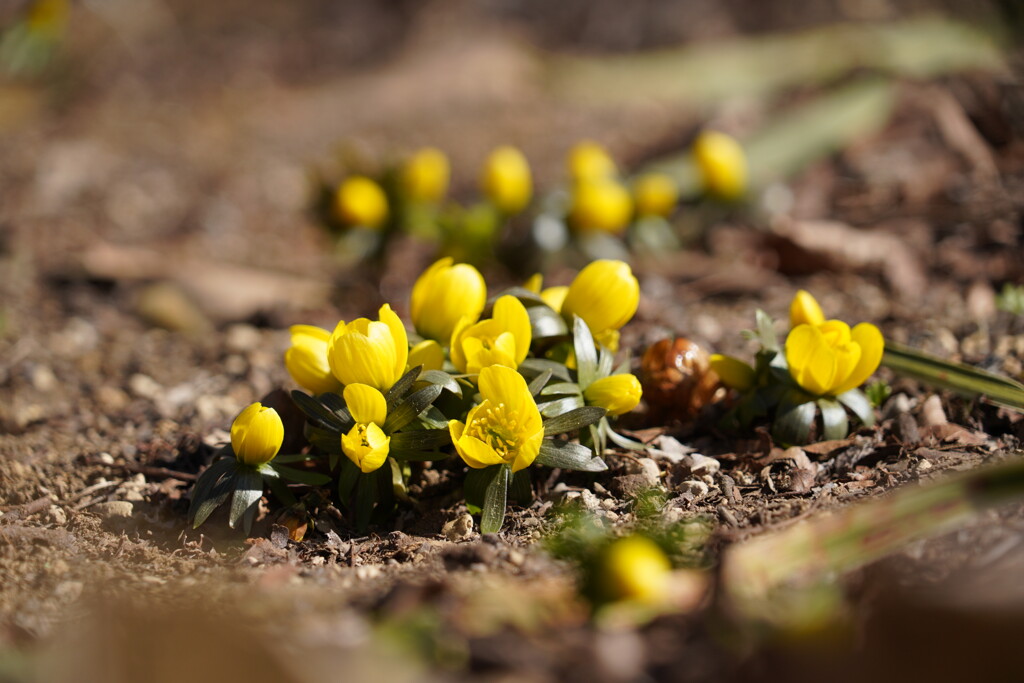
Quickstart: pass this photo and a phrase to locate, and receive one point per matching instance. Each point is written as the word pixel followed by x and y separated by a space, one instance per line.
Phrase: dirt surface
pixel 155 243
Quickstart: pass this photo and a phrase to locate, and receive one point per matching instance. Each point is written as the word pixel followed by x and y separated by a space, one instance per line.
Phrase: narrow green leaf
pixel 293 457
pixel 336 404
pixel 793 419
pixel 442 378
pixel 561 388
pixel 856 401
pixel 957 377
pixel 421 440
pixel 348 477
pixel 535 366
pixel 521 491
pixel 624 442
pixel 766 331
pixel 280 491
pixel 586 353
pixel 248 491
pixel 545 323
pixel 366 497
pixel 307 478
pixel 398 486
pixel 326 440
pixel 474 487
pixel 316 412
pixel 537 385
pixel 407 455
pixel 394 395
pixel 212 489
pixel 527 297
pixel 573 420
pixel 495 501
pixel 833 419
pixel 569 456
pixel 560 406
pixel 605 360
pixel 406 411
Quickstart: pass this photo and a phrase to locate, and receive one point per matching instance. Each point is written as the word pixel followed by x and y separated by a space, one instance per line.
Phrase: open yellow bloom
pixel 369 352
pixel 503 339
pixel 733 372
pixel 257 434
pixel 505 428
pixel 830 359
pixel 601 205
pixel 425 175
pixel 366 444
pixel 635 568
pixel 722 164
pixel 605 295
pixel 306 359
pixel 507 180
pixel 361 202
pixel 805 309
pixel 618 394
pixel 655 194
pixel 442 295
pixel 589 161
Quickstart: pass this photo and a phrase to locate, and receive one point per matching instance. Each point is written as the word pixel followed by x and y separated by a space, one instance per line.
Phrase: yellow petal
pixel 872 345
pixel 358 358
pixel 442 295
pixel 733 372
pixel 455 352
pixel 425 176
pixel 534 283
pixel 528 451
pixel 306 360
pixel 500 350
pixel 367 446
pixel 555 297
pixel 589 161
pixel 722 164
pixel 804 309
pixel 605 294
pixel 427 353
pixel 365 404
pixel 601 206
pixel 476 453
pixel 618 394
pixel 257 434
pixel 655 194
pixel 507 180
pixel 500 384
pixel 511 316
pixel 812 362
pixel 400 340
pixel 361 202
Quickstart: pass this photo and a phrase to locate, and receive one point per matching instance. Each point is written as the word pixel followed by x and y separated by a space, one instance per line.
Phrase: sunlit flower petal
pixel 365 404
pixel 361 202
pixel 424 176
pixel 442 295
pixel 733 372
pixel 604 294
pixel 369 352
pixel 617 394
pixel 507 180
pixel 306 359
pixel 501 340
pixel 805 309
pixel 722 164
pixel 257 434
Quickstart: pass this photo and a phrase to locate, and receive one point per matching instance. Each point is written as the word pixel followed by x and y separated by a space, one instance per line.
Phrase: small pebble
pixel 694 487
pixel 459 528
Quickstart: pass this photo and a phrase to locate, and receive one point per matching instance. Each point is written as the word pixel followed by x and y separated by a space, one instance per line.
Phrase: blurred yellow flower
pixel 369 352
pixel 506 427
pixel 805 309
pixel 829 359
pixel 257 434
pixel 733 372
pixel 655 194
pixel 618 394
pixel 605 295
pixel 601 205
pixel 589 161
pixel 366 444
pixel 306 359
pixel 425 175
pixel 442 295
pixel 361 202
pixel 722 164
pixel 636 569
pixel 506 180
pixel 503 339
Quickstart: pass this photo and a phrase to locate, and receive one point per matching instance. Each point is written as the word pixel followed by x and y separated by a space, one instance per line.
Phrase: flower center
pixel 498 428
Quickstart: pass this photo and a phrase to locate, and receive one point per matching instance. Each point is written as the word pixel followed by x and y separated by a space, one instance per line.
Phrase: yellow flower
pixel 507 180
pixel 617 394
pixel 635 568
pixel 601 205
pixel 555 297
pixel 306 359
pixel 427 353
pixel 442 295
pixel 589 161
pixel 505 428
pixel 503 339
pixel 605 295
pixel 257 434
pixel 733 372
pixel 805 309
pixel 830 359
pixel 425 175
pixel 369 352
pixel 366 444
pixel 361 202
pixel 722 164
pixel 655 194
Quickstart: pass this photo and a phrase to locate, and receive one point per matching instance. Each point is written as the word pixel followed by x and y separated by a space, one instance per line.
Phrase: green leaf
pixel 605 360
pixel 317 413
pixel 561 388
pixel 573 420
pixel 347 480
pixel 367 493
pixel 474 487
pixel 766 331
pixel 524 295
pixel 280 491
pixel 408 409
pixel 293 457
pixel 495 501
pixel 537 385
pixel 586 353
pixel 336 404
pixel 302 477
pixel 569 456
pixel 248 491
pixel 398 488
pixel 794 418
pixel 957 377
pixel 521 490
pixel 857 402
pixel 420 440
pixel 535 366
pixel 545 323
pixel 441 378
pixel 560 406
pixel 401 387
pixel 833 419
pixel 624 442
pixel 212 489
pixel 326 440
pixel 433 418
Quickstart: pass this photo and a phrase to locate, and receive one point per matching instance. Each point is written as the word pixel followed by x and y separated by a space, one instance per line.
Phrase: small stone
pixel 924 466
pixel 932 413
pixel 165 305
pixel 701 465
pixel 516 558
pixel 111 399
pixel 115 513
pixel 242 338
pixel 897 405
pixel 144 386
pixel 42 378
pixel 368 571
pixel 608 503
pixel 697 489
pixel 55 515
pixel 459 528
pixel 235 365
pixel 589 500
pixel 68 591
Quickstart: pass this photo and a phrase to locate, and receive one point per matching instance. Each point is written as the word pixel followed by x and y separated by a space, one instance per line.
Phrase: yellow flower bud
pixel 733 372
pixel 605 295
pixel 306 359
pixel 425 176
pixel 589 161
pixel 442 295
pixel 503 339
pixel 634 568
pixel 804 309
pixel 601 206
pixel 366 445
pixel 830 359
pixel 617 394
pixel 361 202
pixel 369 352
pixel 655 194
pixel 256 435
pixel 555 297
pixel 427 353
pixel 722 165
pixel 534 283
pixel 507 180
